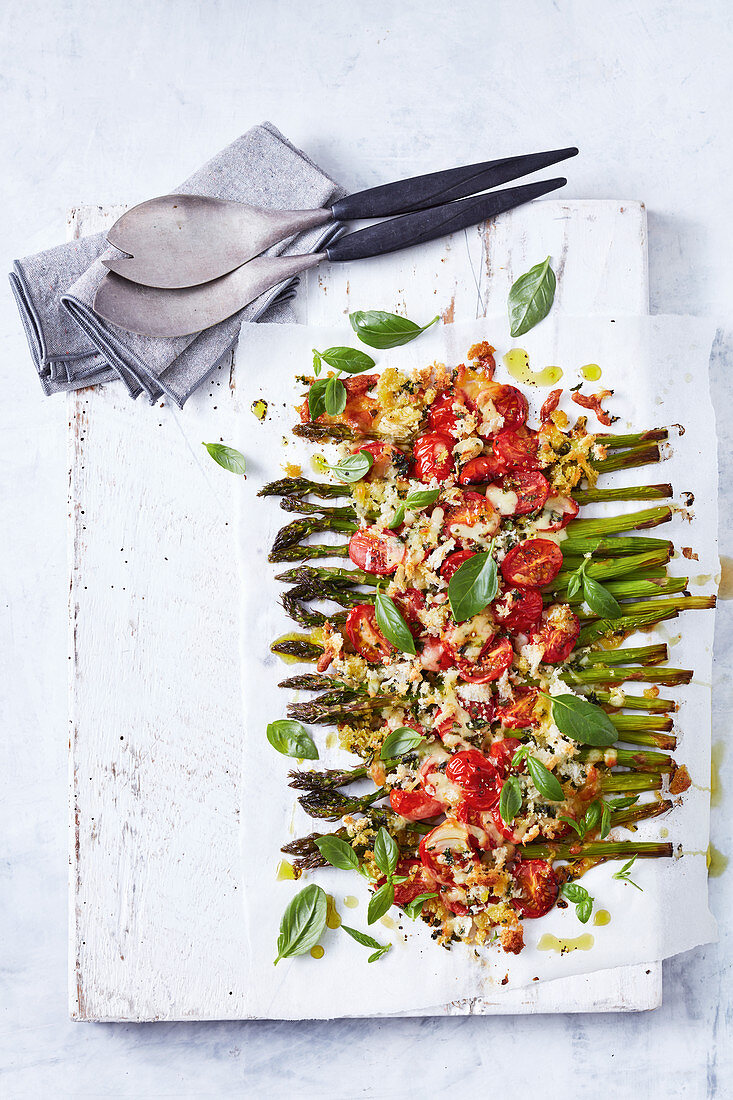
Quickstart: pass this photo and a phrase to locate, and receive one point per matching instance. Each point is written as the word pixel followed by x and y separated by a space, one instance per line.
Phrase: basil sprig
pixel 531 298
pixel 414 908
pixel 546 783
pixel 378 949
pixel 386 854
pixel 597 813
pixel 291 739
pixel 580 898
pixel 413 502
pixel 400 741
pixel 582 721
pixel 338 853
pixel 510 799
pixel 623 874
pixel 599 599
pixel 228 457
pixel 328 395
pixel 385 330
pixel 302 923
pixel 352 468
pixel 473 585
pixel 392 624
pixel 350 360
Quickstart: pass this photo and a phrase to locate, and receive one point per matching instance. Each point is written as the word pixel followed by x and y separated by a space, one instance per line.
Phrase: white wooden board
pixel 156 796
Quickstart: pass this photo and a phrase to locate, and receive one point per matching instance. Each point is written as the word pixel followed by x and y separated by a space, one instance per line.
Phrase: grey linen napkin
pixel 73 347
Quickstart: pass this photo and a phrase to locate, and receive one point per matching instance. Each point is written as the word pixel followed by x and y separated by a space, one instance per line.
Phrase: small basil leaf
pixel 380 902
pixel 545 782
pixel 574 584
pixel 623 803
pixel 378 954
pixel 584 910
pixel 519 756
pixel 362 938
pixel 398 519
pixel 316 363
pixel 421 498
pixel 510 799
pixel 599 599
pixel 228 457
pixel 414 908
pixel 473 585
pixel 291 739
pixel 577 825
pixel 399 742
pixel 531 297
pixel 392 625
pixel 350 360
pixel 592 816
pixel 583 721
pixel 574 893
pixel 338 853
pixel 302 923
pixel 386 852
pixel 353 468
pixel 605 821
pixel 334 397
pixel 316 398
pixel 385 330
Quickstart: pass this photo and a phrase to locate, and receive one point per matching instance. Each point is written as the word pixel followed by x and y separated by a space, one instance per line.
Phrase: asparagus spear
pixel 631 521
pixel 643 655
pixel 635 492
pixel 596 849
pixel 634 439
pixel 642 455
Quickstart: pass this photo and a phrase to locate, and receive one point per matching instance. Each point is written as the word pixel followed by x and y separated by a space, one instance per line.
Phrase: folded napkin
pixel 73 347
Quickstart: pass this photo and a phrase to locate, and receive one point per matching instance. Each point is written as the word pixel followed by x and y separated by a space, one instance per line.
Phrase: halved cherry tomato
pixel 433 456
pixel 476 776
pixel 420 881
pixel 506 831
pixel 435 656
pixel 473 511
pixel 539 886
pixel 375 551
pixel 495 658
pixel 382 453
pixel 480 825
pixel 471 385
pixel 362 631
pixel 453 898
pixel 433 780
pixel 360 410
pixel 409 603
pixel 479 710
pixel 519 714
pixel 441 415
pixel 517 448
pixel 518 610
pixel 558 633
pixel 502 753
pixel 510 403
pixel 453 562
pixel 558 513
pixel 483 468
pixel 532 563
pixel 531 487
pixel 448 848
pixel 414 805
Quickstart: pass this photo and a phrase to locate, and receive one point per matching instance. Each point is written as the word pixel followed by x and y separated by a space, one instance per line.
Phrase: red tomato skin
pixel 433 456
pixel 483 468
pixel 449 834
pixel 481 826
pixel 525 610
pixel 507 833
pixel 510 403
pixel 441 417
pixel 375 552
pixel 367 639
pixel 502 753
pixel 519 714
pixel 473 509
pixel 414 805
pixel 541 888
pixel 453 562
pixel 491 664
pixel 409 603
pixel 476 776
pixel 532 563
pixel 382 453
pixel 517 449
pixel 532 489
pixel 421 881
pixel 435 656
pixel 570 511
pixel 558 640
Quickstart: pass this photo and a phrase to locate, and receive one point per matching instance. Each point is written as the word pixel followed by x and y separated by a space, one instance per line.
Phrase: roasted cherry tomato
pixel 447 849
pixel 479 710
pixel 531 489
pixel 483 468
pixel 375 551
pixel 558 513
pixel 362 631
pixel 495 658
pixel 502 753
pixel 481 826
pixel 511 404
pixel 414 805
pixel 360 409
pixel 518 610
pixel 473 511
pixel 441 415
pixel 419 881
pixel 433 456
pixel 558 633
pixel 435 656
pixel 517 448
pixel 382 453
pixel 453 562
pixel 519 714
pixel 409 603
pixel 473 386
pixel 540 888
pixel 434 782
pixel 532 563
pixel 506 831
pixel 476 776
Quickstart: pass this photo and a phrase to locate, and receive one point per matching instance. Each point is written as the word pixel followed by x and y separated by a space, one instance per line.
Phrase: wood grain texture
pixel 156 786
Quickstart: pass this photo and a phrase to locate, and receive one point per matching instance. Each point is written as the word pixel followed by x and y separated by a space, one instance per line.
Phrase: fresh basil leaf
pixel 414 908
pixel 473 585
pixel 380 902
pixel 545 782
pixel 338 853
pixel 584 910
pixel 599 599
pixel 510 799
pixel 391 623
pixel 302 923
pixel 574 893
pixel 574 583
pixel 592 816
pixel 386 852
pixel 317 398
pixel 605 821
pixel 350 360
pixel 579 826
pixel 291 739
pixel 400 741
pixel 353 468
pixel 531 297
pixel 412 502
pixel 385 330
pixel 362 938
pixel 622 803
pixel 583 721
pixel 623 874
pixel 378 954
pixel 334 397
pixel 519 756
pixel 228 457
pixel 316 363
pixel 397 519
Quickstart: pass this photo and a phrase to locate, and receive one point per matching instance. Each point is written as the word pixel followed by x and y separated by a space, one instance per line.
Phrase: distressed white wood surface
pixel 156 791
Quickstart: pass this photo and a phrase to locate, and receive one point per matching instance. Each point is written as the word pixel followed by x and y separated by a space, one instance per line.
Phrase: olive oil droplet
pixel 259 408
pixel 317 951
pixel 331 739
pixel 516 362
pixel 602 917
pixel 664 833
pixel 717 862
pixel 388 922
pixel 319 464
pixel 350 901
pixel 548 942
pixel 288 658
pixel 285 871
pixel 333 920
pixel 591 372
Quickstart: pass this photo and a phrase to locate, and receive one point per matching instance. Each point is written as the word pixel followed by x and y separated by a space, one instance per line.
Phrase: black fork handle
pixel 435 188
pixel 427 225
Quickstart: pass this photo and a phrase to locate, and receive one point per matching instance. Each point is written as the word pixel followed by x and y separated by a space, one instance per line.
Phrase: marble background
pixel 108 101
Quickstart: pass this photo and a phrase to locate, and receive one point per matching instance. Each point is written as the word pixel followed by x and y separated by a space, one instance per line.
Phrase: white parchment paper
pixel 658 368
